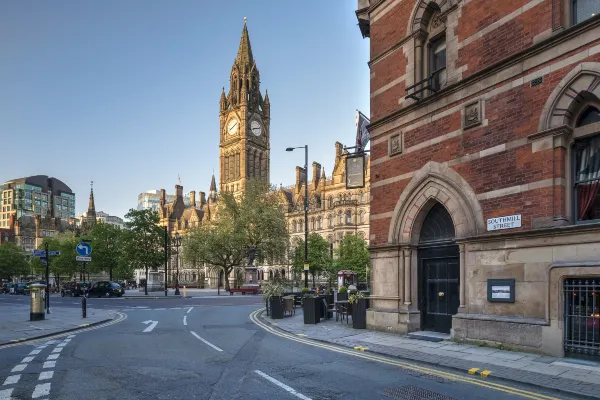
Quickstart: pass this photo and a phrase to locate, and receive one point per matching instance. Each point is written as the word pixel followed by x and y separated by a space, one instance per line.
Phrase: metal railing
pixel 582 316
pixel 430 83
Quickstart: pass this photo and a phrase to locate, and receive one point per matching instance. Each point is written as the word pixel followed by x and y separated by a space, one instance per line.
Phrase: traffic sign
pixel 81 258
pixel 306 268
pixel 54 253
pixel 39 253
pixel 44 262
pixel 84 249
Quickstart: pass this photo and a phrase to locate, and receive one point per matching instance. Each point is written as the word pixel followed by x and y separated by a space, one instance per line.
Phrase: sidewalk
pixel 567 375
pixel 16 326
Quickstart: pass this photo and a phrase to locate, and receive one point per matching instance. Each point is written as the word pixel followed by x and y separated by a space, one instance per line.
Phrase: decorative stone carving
pixel 395 146
pixel 473 114
pixel 436 20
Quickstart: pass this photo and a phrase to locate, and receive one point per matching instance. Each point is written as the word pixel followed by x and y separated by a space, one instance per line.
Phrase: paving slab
pixel 532 369
pixel 16 326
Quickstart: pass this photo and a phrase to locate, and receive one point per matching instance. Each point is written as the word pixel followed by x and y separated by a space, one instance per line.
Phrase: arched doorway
pixel 438 271
pixel 221 282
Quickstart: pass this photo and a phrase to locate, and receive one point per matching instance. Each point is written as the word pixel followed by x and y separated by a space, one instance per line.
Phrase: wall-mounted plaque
pixel 501 290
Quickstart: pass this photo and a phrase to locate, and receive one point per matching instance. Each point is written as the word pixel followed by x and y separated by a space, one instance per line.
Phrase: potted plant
pixel 342 293
pixel 311 306
pixel 358 303
pixel 272 293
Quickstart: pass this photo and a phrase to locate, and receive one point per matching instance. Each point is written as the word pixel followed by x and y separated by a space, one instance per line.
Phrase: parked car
pixel 22 288
pixel 74 288
pixel 106 289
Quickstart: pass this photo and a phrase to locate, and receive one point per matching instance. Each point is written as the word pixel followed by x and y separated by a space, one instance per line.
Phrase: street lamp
pixel 305 210
pixel 177 243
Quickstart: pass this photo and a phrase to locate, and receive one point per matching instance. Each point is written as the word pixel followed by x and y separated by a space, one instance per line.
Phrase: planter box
pixel 359 314
pixel 276 304
pixel 312 310
pixel 342 296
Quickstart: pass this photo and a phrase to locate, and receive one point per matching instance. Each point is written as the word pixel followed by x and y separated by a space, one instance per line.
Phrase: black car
pixel 106 289
pixel 21 288
pixel 74 288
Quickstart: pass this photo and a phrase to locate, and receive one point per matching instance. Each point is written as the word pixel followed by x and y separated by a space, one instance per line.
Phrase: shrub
pixel 343 290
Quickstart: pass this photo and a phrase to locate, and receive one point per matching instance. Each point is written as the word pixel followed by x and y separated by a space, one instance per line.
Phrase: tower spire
pixel 91 213
pixel 244 55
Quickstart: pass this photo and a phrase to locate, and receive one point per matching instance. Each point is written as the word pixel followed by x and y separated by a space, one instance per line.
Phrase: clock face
pixel 233 126
pixel 256 128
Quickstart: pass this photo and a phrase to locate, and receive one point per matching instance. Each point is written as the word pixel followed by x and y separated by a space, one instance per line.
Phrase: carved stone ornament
pixel 436 20
pixel 473 114
pixel 395 146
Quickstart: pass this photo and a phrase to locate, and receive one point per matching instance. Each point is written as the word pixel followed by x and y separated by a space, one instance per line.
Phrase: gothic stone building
pixel 485 206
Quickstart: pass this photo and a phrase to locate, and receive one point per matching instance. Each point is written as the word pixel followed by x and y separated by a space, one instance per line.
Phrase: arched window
pixel 348 217
pixel 320 223
pixel 294 226
pixel 330 202
pixel 330 217
pixel 312 224
pixel 361 217
pixel 270 275
pixel 283 273
pixel 587 169
pixel 341 218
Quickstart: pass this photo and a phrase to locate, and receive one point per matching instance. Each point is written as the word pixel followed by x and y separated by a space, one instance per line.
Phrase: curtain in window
pixel 588 168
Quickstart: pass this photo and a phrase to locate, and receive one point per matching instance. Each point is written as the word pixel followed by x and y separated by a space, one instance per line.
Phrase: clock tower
pixel 244 122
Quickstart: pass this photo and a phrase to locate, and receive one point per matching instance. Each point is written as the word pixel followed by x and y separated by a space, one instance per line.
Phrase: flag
pixel 362 133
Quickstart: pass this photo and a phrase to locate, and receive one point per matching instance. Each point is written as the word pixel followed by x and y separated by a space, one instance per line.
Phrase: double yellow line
pixel 447 375
pixel 120 318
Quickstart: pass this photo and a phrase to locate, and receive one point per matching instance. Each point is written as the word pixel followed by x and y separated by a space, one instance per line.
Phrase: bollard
pixel 184 291
pixel 84 306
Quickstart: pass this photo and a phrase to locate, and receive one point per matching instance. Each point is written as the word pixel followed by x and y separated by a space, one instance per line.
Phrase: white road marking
pixel 189 309
pixel 67 340
pixel 19 368
pixel 57 350
pixel 62 344
pixel 5 394
pixel 185 320
pixel 41 390
pixel 159 309
pixel 27 359
pixel 151 326
pixel 52 356
pixel 34 352
pixel 46 375
pixel 49 364
pixel 70 336
pixel 205 341
pixel 175 308
pixel 11 380
pixel 41 347
pixel 282 385
pixel 51 341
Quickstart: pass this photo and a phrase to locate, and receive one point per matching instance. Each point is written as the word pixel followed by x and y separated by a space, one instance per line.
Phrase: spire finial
pixel 92 186
pixel 244 19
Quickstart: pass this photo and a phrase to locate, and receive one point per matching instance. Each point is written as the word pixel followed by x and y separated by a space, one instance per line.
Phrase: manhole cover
pixel 414 393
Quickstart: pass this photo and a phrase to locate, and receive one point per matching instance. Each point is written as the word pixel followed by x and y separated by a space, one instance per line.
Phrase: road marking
pixel 27 359
pixel 485 373
pixel 34 352
pixel 404 365
pixel 11 380
pixel 185 320
pixel 51 341
pixel 150 327
pixel 5 394
pixel 57 350
pixel 473 371
pixel 41 390
pixel 205 341
pixel 49 364
pixel 46 375
pixel 159 309
pixel 70 336
pixel 52 356
pixel 61 344
pixel 67 340
pixel 282 385
pixel 19 368
pixel 189 309
pixel 175 308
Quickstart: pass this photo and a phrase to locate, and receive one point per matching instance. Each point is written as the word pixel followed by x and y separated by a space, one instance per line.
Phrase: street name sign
pixel 83 258
pixel 53 253
pixel 507 222
pixel 42 253
pixel 84 249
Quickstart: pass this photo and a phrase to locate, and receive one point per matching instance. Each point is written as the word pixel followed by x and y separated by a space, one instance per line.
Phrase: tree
pixel 64 265
pixel 106 240
pixel 319 259
pixel 143 241
pixel 13 262
pixel 352 254
pixel 257 219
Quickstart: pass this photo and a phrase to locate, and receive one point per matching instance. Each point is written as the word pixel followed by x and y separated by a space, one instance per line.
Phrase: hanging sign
pixel 355 171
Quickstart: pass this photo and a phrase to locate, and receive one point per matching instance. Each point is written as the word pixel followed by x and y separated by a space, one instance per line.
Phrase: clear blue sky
pixel 126 93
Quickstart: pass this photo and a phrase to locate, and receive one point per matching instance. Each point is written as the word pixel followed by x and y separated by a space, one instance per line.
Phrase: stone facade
pixel 504 126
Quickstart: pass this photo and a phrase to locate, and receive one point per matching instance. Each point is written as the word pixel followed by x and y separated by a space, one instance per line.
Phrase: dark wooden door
pixel 439 292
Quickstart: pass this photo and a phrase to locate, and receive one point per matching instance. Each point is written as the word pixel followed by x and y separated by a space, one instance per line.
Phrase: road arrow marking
pixel 151 326
pixel 205 341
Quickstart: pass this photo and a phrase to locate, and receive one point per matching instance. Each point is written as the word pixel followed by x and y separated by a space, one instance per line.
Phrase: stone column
pixel 407 278
pixel 419 67
pixel 401 275
pixel 461 278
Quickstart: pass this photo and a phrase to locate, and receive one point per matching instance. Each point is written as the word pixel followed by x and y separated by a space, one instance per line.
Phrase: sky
pixel 126 93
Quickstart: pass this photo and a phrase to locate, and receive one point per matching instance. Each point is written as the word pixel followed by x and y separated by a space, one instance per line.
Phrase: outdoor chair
pixel 288 305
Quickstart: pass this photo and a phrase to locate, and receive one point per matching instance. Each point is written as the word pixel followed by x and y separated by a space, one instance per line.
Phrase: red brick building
pixel 485 168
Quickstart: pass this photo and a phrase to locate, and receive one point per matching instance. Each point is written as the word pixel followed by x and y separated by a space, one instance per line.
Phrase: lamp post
pixel 166 260
pixel 305 210
pixel 177 243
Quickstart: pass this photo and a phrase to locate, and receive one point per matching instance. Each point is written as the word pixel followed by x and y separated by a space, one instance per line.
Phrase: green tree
pixel 257 218
pixel 13 262
pixel 65 265
pixel 353 254
pixel 143 241
pixel 106 241
pixel 319 259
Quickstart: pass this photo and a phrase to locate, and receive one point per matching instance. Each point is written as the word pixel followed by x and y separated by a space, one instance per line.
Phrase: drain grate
pixel 414 393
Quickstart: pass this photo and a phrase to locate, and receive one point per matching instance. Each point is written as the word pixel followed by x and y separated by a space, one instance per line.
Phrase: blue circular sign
pixel 84 249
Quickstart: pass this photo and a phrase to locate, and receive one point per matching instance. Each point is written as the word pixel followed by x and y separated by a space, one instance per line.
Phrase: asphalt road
pixel 208 349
